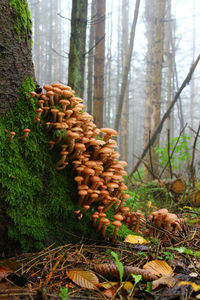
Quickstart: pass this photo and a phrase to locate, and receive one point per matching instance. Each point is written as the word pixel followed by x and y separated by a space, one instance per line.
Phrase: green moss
pixel 23 20
pixel 38 200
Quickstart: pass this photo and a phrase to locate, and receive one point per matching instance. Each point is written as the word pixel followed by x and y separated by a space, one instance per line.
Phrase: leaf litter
pixel 89 271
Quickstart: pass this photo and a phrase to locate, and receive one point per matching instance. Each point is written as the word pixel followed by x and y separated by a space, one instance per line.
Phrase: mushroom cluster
pixel 97 169
pixel 162 219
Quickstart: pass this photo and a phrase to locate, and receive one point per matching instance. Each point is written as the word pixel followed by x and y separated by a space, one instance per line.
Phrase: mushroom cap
pixel 95 215
pixel 89 171
pixel 47 87
pixel 12 133
pixel 67 93
pixel 73 135
pixel 117 223
pixel 118 217
pixel 82 192
pixel 50 93
pixel 57 90
pixel 54 110
pixel 105 150
pixel 64 101
pixel 83 186
pixel 26 130
pixel 109 131
pixel 95 178
pixel 60 113
pixel 63 152
pixel 112 185
pixel 107 174
pixel 105 221
pixel 78 178
pixel 76 99
pixel 86 207
pixel 39 109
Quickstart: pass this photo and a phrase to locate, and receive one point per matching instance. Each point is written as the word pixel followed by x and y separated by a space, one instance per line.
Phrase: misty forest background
pixel 165 45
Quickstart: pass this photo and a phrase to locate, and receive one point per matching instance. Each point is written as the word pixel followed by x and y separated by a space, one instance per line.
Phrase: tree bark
pixel 99 63
pixel 157 79
pixel 150 21
pixel 126 67
pixel 15 54
pixel 77 46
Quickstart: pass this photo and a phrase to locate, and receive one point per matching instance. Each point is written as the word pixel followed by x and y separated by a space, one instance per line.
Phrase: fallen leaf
pixel 135 239
pixel 128 286
pixel 107 285
pixel 109 293
pixel 3 272
pixel 165 280
pixel 195 286
pixel 159 268
pixel 85 279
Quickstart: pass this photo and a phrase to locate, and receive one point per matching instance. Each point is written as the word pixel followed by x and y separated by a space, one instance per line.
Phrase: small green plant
pixel 168 255
pixel 137 278
pixel 149 287
pixel 119 265
pixel 186 251
pixel 63 294
pixel 180 148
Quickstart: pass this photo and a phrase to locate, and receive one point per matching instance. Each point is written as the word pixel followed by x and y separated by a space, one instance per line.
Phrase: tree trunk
pixel 99 63
pixel 157 79
pixel 126 67
pixel 77 46
pixel 150 21
pixel 91 59
pixel 15 52
pixel 124 47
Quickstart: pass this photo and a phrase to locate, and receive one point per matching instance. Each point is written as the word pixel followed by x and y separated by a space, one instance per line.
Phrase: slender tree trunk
pixel 15 54
pixel 126 67
pixel 124 46
pixel 157 78
pixel 91 58
pixel 77 46
pixel 99 63
pixel 150 23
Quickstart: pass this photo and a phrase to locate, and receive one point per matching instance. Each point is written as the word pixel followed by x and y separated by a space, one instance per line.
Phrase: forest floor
pixel 106 270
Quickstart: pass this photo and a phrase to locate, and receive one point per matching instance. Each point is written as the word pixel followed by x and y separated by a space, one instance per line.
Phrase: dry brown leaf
pixel 159 268
pixel 85 279
pixel 109 293
pixel 165 280
pixel 135 239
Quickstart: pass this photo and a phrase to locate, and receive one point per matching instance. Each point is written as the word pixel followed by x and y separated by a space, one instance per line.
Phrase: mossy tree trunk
pixel 77 46
pixel 15 50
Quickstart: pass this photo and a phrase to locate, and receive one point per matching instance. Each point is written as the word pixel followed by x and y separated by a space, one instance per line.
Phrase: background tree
pixel 98 100
pixel 77 46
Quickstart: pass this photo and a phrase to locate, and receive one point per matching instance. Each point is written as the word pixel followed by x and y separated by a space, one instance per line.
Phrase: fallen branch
pixel 167 113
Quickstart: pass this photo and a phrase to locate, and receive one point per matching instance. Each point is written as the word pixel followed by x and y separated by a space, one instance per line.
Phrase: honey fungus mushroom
pixel 109 132
pixel 26 133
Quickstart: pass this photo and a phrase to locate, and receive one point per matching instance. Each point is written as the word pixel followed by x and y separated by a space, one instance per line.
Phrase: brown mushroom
pixel 26 132
pixel 117 224
pixel 12 134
